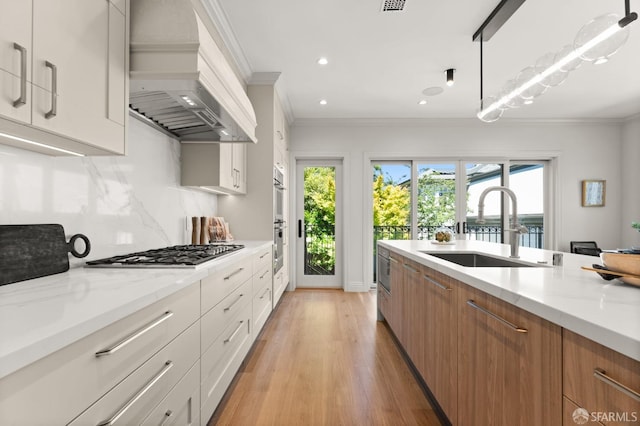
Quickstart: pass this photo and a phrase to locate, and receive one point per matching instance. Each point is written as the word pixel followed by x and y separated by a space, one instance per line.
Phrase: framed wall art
pixel 593 193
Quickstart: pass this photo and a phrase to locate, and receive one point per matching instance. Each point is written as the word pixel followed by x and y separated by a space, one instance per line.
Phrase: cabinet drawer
pixel 182 405
pixel 133 399
pixel 595 377
pixel 569 411
pixel 220 317
pixel 219 284
pixel 262 259
pixel 262 279
pixel 261 307
pixel 57 388
pixel 383 302
pixel 224 355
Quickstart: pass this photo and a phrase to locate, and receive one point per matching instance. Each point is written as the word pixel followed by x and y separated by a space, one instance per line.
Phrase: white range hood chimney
pixel 180 79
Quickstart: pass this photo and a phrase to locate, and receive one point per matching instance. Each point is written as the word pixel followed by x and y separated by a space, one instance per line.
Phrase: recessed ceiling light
pixel 323 61
pixel 422 102
pixel 432 91
pixel 323 102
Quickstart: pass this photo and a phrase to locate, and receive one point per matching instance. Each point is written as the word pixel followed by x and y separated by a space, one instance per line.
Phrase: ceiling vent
pixel 392 5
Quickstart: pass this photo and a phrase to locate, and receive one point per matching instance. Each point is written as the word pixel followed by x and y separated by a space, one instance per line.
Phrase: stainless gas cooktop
pixel 184 256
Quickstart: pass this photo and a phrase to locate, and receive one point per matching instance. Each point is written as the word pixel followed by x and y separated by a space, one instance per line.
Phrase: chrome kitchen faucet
pixel 516 229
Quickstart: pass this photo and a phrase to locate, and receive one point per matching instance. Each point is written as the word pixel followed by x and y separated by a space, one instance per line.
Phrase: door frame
pixel 342 242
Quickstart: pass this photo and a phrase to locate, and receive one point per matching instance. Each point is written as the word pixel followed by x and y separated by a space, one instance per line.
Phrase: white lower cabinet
pixel 167 364
pixel 135 397
pixel 182 406
pixel 222 360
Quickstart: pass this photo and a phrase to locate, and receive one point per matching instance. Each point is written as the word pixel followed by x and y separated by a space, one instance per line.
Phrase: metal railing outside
pixel 319 251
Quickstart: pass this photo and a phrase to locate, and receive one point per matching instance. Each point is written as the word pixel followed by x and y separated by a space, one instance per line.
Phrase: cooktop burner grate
pixel 176 256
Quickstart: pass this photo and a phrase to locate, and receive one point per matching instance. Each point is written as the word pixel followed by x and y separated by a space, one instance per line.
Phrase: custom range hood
pixel 180 81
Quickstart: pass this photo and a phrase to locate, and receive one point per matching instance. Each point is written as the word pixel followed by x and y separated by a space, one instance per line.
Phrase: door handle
pixel 23 76
pixel 457 227
pixel 299 228
pixel 464 227
pixel 54 90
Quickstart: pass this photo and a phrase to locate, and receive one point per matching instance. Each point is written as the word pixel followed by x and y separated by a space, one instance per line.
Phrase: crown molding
pixel 439 122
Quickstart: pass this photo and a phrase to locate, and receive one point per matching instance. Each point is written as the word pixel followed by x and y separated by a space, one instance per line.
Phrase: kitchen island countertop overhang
pixel 607 312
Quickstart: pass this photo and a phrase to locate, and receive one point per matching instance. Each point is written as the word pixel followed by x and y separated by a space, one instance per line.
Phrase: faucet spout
pixel 516 229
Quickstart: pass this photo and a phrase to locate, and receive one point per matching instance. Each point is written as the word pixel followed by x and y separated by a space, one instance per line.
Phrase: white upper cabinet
pixel 218 167
pixel 76 74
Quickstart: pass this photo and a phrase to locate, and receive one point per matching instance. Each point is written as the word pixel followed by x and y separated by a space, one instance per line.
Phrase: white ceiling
pixel 380 62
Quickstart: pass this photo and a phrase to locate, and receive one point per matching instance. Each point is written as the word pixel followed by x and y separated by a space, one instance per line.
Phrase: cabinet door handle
pixel 600 374
pixel 265 293
pixel 133 336
pixel 137 396
pixel 436 283
pixel 410 268
pixel 228 308
pixel 237 271
pixel 266 253
pixel 393 260
pixel 265 273
pixel 23 76
pixel 233 335
pixel 494 316
pixel 54 90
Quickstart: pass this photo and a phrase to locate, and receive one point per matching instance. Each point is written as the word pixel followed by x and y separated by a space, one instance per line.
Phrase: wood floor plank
pixel 323 359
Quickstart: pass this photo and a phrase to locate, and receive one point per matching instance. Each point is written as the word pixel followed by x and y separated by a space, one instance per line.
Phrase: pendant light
pixel 595 42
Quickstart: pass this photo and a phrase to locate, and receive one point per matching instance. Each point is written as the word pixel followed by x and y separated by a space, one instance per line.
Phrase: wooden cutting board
pixel 32 251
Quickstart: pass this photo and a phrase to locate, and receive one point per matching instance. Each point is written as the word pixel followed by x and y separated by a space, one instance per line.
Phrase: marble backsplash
pixel 122 204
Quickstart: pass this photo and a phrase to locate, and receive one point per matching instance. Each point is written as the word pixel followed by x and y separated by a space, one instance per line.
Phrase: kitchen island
pixel 513 344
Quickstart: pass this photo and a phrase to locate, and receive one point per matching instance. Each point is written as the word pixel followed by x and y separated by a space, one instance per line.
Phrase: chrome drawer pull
pixel 492 315
pixel 233 273
pixel 437 284
pixel 23 76
pixel 266 253
pixel 265 293
pixel 130 338
pixel 137 396
pixel 411 268
pixel 230 338
pixel 228 308
pixel 600 374
pixel 265 273
pixel 54 90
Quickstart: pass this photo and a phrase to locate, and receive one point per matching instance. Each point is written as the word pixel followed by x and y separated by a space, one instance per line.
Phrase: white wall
pixel 630 182
pixel 122 204
pixel 584 150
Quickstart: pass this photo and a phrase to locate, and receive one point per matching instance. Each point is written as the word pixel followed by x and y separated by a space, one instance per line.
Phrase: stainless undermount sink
pixel 477 260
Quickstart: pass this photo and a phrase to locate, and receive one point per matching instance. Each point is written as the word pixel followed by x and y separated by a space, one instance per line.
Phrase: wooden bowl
pixel 625 263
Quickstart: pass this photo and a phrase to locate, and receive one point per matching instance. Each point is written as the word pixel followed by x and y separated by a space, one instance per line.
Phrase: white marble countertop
pixel 42 315
pixel 607 312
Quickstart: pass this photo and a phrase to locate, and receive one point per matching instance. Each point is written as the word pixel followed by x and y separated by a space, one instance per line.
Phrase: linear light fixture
pixel 585 43
pixel 42 145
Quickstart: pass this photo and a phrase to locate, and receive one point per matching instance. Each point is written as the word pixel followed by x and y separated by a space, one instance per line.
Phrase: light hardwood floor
pixel 323 359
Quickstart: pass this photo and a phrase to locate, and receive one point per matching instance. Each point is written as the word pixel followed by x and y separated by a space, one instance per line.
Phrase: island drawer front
pixel 136 396
pixel 219 284
pixel 55 389
pixel 221 361
pixel 569 411
pixel 220 317
pixel 182 405
pixel 590 371
pixel 262 259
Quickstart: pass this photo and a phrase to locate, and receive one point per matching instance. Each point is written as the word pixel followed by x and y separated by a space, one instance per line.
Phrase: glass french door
pixel 319 229
pixel 446 193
